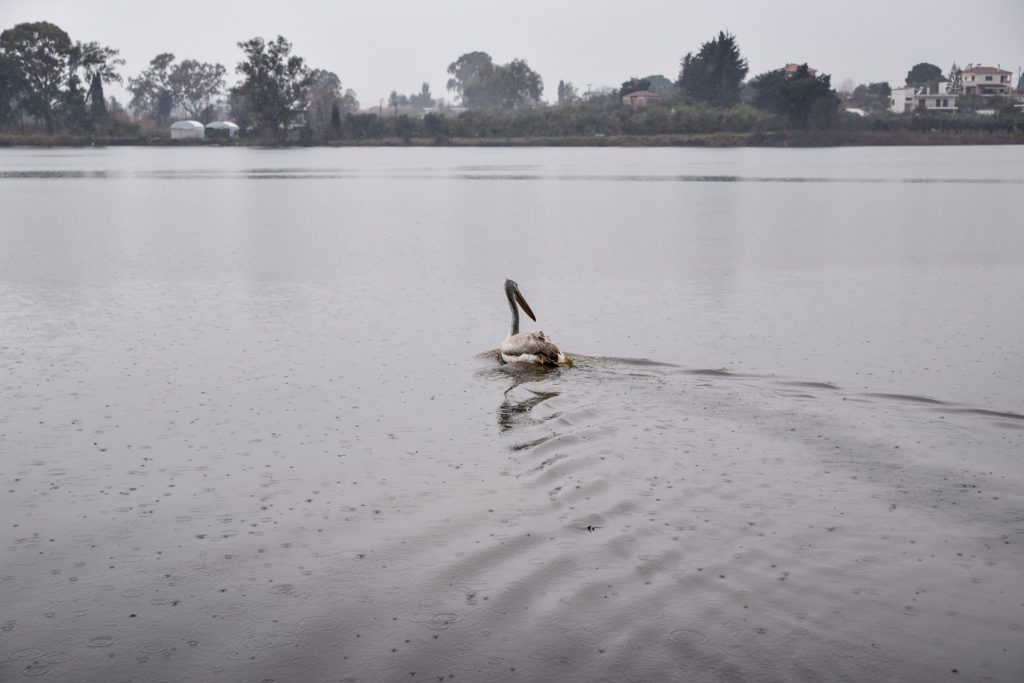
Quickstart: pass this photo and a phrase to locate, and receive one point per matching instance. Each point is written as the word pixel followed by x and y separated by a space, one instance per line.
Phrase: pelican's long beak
pixel 525 306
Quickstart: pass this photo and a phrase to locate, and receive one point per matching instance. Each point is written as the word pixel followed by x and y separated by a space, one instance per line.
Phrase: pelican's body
pixel 527 347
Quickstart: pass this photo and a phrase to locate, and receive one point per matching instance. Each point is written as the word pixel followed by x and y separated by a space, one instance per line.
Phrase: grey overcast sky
pixel 376 46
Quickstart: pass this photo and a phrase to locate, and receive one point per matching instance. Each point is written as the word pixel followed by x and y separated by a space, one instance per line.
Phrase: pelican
pixel 527 347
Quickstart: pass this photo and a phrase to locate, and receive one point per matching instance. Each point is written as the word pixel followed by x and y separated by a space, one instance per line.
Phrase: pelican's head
pixel 512 290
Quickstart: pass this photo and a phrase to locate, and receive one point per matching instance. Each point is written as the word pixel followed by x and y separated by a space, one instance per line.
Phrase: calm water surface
pixel 252 426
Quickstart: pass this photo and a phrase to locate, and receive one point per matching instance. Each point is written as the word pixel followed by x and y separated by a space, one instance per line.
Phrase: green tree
pixel 715 74
pixel 423 98
pixel 73 105
pixel 88 63
pixel 362 126
pixel 956 80
pixel 38 54
pixel 195 86
pixel 151 90
pixel 10 91
pixel 435 126
pixel 89 60
pixel 349 101
pixel 879 96
pixel 395 100
pixel 97 102
pixel 275 82
pixel 336 120
pixel 484 91
pixel 116 111
pixel 660 85
pixel 874 96
pixel 634 85
pixel 523 85
pixel 324 96
pixel 602 97
pixel 567 93
pixel 504 86
pixel 467 69
pixel 807 101
pixel 923 74
pixel 240 110
pixel 404 127
pixel 770 92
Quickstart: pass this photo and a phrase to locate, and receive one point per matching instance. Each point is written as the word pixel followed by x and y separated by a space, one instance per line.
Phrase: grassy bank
pixel 772 139
pixel 837 138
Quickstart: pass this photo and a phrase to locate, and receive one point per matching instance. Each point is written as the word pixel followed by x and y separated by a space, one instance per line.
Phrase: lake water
pixel 253 428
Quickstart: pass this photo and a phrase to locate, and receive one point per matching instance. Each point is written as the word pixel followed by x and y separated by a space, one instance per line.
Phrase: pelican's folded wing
pixel 531 344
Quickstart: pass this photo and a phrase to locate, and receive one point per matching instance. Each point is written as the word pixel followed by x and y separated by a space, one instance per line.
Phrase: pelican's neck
pixel 514 327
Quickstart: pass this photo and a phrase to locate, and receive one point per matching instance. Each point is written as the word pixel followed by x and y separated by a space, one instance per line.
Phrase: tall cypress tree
pixel 715 74
pixel 956 80
pixel 97 102
pixel 336 120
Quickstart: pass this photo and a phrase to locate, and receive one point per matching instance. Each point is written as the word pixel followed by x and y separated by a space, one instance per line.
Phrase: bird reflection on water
pixel 518 400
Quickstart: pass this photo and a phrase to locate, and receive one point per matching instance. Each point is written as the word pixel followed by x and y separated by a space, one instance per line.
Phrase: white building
pixel 223 129
pixel 902 100
pixel 932 97
pixel 987 81
pixel 187 130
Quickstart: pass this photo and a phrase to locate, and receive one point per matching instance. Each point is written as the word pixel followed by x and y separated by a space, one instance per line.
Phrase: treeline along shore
pixel 52 94
pixel 767 139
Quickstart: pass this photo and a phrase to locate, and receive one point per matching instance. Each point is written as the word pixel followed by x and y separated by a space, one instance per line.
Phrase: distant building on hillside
pixel 640 99
pixel 187 130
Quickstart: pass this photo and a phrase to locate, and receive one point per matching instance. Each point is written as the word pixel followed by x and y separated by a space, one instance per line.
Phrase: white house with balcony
pixel 987 81
pixel 934 97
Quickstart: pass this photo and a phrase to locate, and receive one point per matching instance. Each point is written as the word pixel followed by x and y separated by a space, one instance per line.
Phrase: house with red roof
pixel 987 81
pixel 639 99
pixel 791 69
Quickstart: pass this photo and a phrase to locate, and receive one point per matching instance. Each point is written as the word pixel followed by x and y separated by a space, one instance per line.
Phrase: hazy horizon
pixel 394 45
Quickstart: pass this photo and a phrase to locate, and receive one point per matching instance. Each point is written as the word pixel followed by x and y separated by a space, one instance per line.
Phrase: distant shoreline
pixel 771 139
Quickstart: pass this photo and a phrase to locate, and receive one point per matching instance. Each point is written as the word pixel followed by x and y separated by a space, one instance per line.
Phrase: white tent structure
pixel 223 128
pixel 187 130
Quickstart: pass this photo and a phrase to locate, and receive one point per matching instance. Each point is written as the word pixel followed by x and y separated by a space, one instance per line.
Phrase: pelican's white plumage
pixel 527 347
